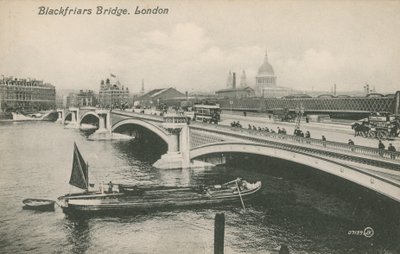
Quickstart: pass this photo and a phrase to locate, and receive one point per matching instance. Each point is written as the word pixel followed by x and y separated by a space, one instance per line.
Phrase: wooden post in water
pixel 219 232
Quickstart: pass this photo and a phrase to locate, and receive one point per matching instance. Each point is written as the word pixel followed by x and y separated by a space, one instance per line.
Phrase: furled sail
pixel 79 174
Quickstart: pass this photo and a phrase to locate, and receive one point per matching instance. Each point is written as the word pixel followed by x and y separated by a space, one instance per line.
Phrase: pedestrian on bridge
pixel 392 150
pixel 308 135
pixel 381 147
pixel 351 144
pixel 323 141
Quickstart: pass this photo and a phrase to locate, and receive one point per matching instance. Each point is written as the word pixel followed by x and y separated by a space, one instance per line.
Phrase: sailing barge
pixel 130 198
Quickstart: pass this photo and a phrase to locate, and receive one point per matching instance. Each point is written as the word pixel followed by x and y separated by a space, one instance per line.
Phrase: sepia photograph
pixel 226 126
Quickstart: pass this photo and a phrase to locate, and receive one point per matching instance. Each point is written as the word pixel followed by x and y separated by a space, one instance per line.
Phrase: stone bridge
pixel 190 144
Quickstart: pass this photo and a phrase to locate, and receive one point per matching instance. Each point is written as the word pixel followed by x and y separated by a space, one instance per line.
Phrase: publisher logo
pixel 367 232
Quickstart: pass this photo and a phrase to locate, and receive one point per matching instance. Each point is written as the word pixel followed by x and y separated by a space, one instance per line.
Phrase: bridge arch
pixel 163 134
pixel 68 116
pixel 87 114
pixel 368 180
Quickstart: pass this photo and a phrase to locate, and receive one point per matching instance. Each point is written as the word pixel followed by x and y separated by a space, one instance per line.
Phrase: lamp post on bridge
pixel 299 112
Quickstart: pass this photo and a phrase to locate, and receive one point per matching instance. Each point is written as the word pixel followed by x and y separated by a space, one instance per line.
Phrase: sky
pixel 311 44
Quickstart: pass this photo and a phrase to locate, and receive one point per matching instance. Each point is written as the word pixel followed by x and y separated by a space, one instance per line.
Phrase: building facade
pixel 83 98
pixel 242 92
pixel 87 98
pixel 113 95
pixel 26 95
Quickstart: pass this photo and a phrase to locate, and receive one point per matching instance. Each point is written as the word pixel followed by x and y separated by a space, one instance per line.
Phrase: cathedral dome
pixel 266 67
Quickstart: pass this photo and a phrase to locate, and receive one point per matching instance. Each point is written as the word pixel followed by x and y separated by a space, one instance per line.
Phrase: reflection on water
pixel 306 210
pixel 78 235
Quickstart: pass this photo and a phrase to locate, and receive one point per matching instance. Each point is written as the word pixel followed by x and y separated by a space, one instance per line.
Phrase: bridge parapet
pixel 118 115
pixel 360 154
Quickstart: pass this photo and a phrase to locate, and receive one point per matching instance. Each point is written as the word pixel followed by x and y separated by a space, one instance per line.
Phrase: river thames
pixel 310 212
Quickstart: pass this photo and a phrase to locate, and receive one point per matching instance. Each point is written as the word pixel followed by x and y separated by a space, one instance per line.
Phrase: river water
pixel 309 211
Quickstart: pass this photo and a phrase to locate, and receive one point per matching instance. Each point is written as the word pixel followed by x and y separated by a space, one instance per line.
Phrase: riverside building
pixel 28 95
pixel 112 94
pixel 243 91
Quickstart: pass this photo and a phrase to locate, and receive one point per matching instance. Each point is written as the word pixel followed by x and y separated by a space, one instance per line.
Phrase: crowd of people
pixel 391 148
pixel 299 133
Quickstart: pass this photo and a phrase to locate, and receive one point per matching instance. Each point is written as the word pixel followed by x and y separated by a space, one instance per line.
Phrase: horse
pixel 360 129
pixel 395 130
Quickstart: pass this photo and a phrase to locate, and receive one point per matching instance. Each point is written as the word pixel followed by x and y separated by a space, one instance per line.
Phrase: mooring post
pixel 284 249
pixel 219 232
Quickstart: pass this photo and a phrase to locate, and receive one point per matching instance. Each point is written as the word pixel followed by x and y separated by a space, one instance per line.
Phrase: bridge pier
pixel 74 124
pixel 178 154
pixel 61 116
pixel 104 131
pixel 175 156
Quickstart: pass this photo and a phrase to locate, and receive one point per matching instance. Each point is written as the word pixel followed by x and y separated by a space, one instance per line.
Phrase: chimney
pixel 234 80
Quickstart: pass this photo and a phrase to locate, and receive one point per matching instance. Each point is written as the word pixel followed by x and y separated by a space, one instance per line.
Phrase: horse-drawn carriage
pixel 378 125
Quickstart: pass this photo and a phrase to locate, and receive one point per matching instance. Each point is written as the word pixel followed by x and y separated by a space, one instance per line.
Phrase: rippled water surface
pixel 306 210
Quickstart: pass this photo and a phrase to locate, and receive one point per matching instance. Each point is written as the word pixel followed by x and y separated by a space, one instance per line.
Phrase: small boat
pixel 132 198
pixel 38 204
pixel 22 117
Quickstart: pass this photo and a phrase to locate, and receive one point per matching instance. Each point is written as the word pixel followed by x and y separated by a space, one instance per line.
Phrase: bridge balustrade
pixel 138 115
pixel 327 146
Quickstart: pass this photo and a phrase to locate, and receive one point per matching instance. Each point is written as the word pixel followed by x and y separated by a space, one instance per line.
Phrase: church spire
pixel 266 56
pixel 142 90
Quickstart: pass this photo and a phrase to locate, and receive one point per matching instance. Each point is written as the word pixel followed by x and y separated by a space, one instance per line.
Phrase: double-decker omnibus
pixel 207 113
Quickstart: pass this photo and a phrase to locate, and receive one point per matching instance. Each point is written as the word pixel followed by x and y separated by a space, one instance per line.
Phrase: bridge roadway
pixel 363 165
pixel 340 132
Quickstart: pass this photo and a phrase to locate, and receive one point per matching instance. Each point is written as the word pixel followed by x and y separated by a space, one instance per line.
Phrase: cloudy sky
pixel 311 44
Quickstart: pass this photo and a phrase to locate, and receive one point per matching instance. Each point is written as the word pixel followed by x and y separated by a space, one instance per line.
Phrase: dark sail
pixel 79 174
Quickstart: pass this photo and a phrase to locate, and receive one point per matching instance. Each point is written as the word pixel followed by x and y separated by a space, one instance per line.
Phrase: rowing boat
pixel 38 204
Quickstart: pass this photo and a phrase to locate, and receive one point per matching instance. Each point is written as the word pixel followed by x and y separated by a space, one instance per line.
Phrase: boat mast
pixel 87 183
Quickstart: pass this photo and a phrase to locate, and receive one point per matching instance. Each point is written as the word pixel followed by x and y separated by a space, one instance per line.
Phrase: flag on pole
pixel 112 75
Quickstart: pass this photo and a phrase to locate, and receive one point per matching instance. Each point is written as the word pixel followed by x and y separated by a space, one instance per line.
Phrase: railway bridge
pixel 191 144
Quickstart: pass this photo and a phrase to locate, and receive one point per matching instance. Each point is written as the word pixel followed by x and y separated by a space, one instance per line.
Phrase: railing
pixel 138 115
pixel 310 144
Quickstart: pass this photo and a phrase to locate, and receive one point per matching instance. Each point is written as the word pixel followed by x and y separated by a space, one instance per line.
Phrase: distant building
pixel 84 98
pixel 242 92
pixel 243 80
pixel 26 95
pixel 60 102
pixel 229 82
pixel 87 98
pixel 157 96
pixel 266 82
pixel 113 94
pixel 72 100
pixel 265 77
